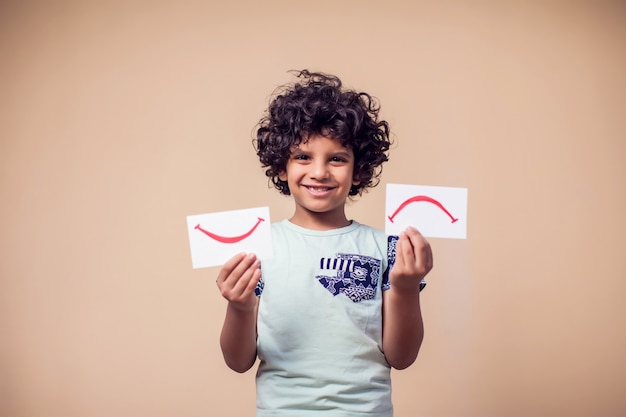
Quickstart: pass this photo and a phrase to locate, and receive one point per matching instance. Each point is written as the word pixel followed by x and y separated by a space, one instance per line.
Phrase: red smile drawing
pixel 227 239
pixel 421 198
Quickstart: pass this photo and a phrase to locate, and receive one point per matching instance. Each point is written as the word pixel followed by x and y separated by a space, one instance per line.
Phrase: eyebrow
pixel 343 154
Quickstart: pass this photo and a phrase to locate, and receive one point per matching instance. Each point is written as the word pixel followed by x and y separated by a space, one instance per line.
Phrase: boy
pixel 338 305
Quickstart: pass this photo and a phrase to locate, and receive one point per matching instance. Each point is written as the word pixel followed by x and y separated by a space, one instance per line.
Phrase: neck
pixel 320 221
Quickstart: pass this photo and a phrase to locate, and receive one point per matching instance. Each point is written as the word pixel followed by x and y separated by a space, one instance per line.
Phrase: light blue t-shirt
pixel 320 324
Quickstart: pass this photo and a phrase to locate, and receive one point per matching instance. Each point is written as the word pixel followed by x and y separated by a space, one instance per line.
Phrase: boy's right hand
pixel 238 279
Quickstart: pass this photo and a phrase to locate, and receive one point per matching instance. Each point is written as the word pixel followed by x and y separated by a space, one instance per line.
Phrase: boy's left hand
pixel 414 259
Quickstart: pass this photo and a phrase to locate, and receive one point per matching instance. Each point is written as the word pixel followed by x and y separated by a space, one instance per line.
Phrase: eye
pixel 300 157
pixel 338 159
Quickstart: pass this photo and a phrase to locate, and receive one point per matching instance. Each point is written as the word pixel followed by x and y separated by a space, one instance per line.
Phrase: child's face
pixel 320 174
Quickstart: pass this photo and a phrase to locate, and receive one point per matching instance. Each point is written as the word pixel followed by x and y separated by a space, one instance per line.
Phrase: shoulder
pixel 373 232
pixel 280 227
pixel 365 227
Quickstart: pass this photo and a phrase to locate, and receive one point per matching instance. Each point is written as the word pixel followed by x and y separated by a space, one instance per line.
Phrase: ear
pixel 282 175
pixel 355 181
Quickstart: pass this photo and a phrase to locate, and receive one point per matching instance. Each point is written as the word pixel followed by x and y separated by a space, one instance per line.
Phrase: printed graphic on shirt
pixel 259 287
pixel 391 259
pixel 356 276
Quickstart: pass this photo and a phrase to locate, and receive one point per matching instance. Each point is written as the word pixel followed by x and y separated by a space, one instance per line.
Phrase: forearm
pixel 238 339
pixel 403 328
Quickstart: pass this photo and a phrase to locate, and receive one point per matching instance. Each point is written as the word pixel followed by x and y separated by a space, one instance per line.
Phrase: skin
pixel 320 173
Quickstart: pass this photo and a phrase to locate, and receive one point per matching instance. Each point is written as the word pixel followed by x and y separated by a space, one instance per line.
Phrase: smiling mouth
pixel 317 189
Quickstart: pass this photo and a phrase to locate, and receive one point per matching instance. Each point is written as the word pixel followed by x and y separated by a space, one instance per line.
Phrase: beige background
pixel 118 119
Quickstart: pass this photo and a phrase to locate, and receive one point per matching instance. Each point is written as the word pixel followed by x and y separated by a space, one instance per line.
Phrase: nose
pixel 319 170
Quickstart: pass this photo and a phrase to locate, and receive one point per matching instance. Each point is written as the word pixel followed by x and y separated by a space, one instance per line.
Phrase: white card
pixel 434 211
pixel 216 237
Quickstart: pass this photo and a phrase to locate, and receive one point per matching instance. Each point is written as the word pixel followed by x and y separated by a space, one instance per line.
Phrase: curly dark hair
pixel 317 105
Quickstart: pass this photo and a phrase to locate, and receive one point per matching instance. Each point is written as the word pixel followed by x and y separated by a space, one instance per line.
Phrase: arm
pixel 237 280
pixel 403 328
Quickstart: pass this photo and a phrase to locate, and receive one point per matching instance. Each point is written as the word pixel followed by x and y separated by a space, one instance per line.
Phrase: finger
pixel 254 280
pixel 414 236
pixel 242 266
pixel 229 266
pixel 407 249
pixel 417 239
pixel 423 251
pixel 246 279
